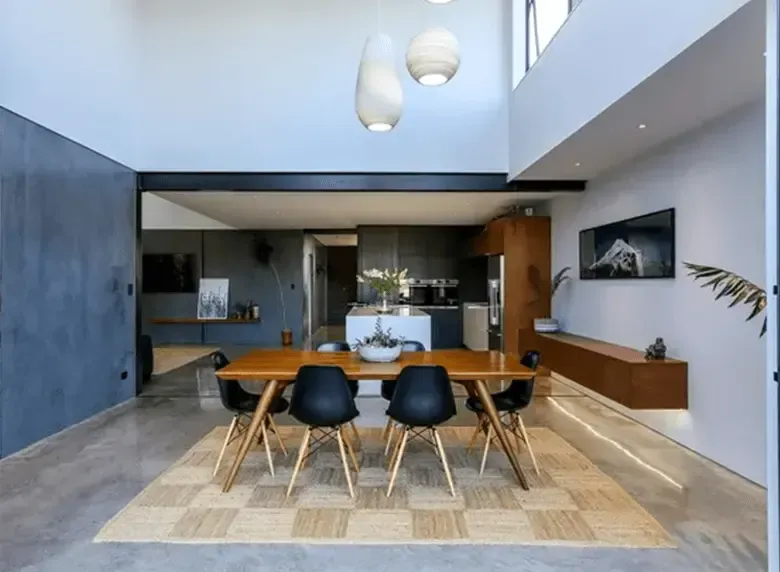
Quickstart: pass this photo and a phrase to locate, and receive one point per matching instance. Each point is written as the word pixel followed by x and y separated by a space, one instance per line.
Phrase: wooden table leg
pixel 490 410
pixel 257 419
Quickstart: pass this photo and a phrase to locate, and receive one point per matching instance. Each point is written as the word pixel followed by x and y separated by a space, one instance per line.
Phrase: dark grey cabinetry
pixel 377 248
pixel 446 327
pixel 428 252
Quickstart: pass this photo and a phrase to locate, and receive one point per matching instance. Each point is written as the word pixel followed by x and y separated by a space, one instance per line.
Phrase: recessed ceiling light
pixel 641 126
pixel 576 164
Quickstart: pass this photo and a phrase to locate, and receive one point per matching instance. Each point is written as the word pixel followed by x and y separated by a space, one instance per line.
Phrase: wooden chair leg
pixel 353 427
pixel 390 439
pixel 402 433
pixel 299 461
pixel 268 449
pixel 275 429
pixel 308 447
pixel 398 456
pixel 435 444
pixel 474 436
pixel 486 449
pixel 226 443
pixel 351 452
pixel 443 458
pixel 387 430
pixel 340 439
pixel 515 427
pixel 527 443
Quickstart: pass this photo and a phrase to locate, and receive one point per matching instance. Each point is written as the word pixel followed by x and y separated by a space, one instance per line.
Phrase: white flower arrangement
pixel 385 281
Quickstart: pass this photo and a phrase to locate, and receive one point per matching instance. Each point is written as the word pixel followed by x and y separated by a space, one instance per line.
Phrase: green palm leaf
pixel 726 284
pixel 559 279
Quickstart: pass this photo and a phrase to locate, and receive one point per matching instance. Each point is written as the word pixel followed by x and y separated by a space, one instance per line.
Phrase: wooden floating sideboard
pixel 619 373
pixel 202 321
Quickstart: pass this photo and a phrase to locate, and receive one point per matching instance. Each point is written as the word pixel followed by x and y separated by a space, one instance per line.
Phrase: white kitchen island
pixel 406 322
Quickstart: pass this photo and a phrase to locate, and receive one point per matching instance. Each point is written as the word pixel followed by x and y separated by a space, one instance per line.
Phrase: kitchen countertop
pixel 396 312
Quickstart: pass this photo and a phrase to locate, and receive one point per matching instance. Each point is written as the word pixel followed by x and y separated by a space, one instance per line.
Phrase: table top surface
pixel 461 365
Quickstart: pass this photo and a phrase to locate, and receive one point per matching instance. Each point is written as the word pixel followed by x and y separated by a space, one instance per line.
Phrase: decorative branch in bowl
pixel 550 325
pixel 726 284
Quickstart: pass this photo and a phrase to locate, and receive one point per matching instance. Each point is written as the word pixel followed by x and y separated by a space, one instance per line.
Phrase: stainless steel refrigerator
pixel 496 303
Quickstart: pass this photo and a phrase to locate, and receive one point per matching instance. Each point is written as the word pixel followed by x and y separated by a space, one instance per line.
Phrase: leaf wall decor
pixel 726 284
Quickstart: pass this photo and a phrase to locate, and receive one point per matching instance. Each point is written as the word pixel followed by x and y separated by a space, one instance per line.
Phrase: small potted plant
pixel 550 325
pixel 380 346
pixel 385 282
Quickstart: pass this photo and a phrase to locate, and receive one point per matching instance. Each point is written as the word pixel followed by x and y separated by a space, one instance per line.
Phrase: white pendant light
pixel 378 94
pixel 433 57
pixel 379 98
pixel 439 1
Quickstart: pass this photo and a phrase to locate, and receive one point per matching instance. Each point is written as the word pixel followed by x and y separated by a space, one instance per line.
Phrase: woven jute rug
pixel 571 502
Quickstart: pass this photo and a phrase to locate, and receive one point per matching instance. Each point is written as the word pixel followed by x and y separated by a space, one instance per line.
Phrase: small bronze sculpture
pixel 656 350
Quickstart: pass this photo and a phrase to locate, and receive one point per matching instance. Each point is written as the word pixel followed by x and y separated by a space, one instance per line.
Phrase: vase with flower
pixel 386 283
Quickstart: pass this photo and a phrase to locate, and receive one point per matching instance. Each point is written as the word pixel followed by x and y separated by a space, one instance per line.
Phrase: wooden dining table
pixel 279 368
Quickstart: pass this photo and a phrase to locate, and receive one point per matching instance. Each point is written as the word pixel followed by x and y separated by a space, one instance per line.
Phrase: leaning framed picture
pixel 213 299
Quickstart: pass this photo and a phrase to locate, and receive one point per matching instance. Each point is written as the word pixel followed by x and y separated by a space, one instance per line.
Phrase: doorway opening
pixel 332 278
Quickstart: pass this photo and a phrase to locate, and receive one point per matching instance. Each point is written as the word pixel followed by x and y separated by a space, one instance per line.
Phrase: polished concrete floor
pixel 55 497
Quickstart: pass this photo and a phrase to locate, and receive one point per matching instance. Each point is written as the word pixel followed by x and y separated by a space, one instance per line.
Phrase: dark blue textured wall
pixel 228 254
pixel 67 249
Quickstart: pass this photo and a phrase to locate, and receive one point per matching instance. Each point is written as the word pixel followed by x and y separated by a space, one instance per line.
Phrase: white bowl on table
pixel 379 355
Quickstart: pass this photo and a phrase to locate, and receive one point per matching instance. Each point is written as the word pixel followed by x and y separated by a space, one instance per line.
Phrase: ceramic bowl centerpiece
pixel 380 346
pixel 386 283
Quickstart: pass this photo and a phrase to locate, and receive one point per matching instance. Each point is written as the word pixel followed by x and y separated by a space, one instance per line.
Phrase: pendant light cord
pixel 378 16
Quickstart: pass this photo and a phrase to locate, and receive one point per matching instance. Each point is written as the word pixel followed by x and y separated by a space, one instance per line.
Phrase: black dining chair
pixel 354 386
pixel 243 404
pixel 387 389
pixel 422 400
pixel 509 403
pixel 322 401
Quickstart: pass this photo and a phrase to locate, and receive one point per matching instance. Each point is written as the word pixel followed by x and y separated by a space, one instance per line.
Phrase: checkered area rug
pixel 571 502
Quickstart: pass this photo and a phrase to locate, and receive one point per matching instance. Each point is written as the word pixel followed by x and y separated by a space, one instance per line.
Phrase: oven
pixel 444 292
pixel 419 292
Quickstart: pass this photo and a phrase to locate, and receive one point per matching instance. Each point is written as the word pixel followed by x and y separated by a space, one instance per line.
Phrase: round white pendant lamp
pixel 378 94
pixel 433 57
pixel 439 1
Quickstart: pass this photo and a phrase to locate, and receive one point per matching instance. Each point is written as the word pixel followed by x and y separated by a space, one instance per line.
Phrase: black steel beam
pixel 386 182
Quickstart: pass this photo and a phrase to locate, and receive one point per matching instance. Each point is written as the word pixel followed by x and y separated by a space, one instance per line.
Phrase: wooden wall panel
pixel 527 279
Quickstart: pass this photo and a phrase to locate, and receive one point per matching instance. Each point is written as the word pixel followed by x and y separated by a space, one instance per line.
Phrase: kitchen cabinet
pixel 445 328
pixel 491 239
pixel 377 248
pixel 426 251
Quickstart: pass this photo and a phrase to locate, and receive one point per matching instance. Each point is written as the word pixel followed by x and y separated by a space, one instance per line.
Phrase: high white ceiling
pixel 344 210
pixel 721 71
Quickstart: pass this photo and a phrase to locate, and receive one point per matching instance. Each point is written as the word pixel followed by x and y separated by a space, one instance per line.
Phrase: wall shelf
pixel 202 321
pixel 616 372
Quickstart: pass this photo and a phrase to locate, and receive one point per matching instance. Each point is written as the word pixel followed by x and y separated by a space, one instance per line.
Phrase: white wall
pixel 631 40
pixel 772 133
pixel 160 214
pixel 269 85
pixel 71 67
pixel 714 178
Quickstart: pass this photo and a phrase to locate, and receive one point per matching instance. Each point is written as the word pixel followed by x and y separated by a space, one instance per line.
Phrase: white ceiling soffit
pixel 721 71
pixel 337 239
pixel 345 210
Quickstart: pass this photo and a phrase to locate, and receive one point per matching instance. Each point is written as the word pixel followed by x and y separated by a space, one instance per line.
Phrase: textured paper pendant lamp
pixel 378 94
pixel 433 57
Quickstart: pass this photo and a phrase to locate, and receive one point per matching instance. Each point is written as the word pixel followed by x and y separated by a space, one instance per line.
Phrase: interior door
pixel 342 282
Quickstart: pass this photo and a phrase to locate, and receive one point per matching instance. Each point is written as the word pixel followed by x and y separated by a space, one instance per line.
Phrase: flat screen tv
pixel 169 273
pixel 639 247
